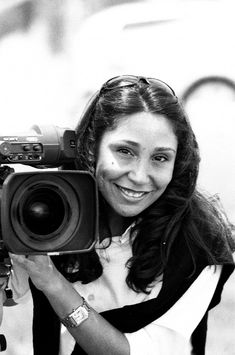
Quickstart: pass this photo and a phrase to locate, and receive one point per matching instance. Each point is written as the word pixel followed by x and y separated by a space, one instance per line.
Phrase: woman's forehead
pixel 144 127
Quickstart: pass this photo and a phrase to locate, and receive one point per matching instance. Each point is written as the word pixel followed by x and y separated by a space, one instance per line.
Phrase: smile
pixel 131 193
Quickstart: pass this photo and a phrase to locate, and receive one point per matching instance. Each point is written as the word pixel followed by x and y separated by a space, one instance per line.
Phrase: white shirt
pixel 171 331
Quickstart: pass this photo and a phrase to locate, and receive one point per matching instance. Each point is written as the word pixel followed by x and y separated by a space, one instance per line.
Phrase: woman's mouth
pixel 131 193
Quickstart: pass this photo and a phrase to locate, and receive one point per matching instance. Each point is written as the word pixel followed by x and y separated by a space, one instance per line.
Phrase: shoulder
pixel 189 309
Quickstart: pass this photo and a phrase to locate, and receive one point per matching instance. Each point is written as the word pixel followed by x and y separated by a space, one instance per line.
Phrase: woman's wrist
pixel 55 285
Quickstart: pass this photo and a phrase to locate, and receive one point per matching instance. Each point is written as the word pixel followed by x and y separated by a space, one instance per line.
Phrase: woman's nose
pixel 139 173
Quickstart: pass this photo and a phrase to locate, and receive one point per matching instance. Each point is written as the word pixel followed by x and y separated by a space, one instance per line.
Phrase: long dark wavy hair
pixel 182 213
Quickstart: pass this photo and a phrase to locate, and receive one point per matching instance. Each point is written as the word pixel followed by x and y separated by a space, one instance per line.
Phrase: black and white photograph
pixel 117 177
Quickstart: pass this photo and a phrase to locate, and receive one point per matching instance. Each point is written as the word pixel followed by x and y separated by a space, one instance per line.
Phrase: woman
pixel 164 252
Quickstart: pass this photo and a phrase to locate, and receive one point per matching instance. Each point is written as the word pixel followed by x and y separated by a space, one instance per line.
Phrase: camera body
pixel 46 212
pixel 42 146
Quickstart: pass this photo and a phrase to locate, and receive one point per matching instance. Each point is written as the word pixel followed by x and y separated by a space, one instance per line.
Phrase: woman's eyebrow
pixel 135 144
pixel 127 141
pixel 163 149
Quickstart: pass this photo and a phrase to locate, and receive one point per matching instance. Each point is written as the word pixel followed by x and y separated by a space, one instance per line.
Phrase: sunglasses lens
pixel 132 80
pixel 121 81
pixel 161 83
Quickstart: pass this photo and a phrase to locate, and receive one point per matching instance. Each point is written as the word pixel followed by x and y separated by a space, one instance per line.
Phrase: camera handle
pixel 5 264
pixel 3 343
pixel 5 271
pixel 3 283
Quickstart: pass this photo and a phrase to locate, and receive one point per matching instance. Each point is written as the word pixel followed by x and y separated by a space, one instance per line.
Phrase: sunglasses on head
pixel 132 81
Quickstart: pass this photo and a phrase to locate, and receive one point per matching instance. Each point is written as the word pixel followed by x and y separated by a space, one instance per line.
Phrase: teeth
pixel 131 193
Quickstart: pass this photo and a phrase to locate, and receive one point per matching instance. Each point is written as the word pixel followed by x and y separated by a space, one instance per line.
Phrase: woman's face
pixel 135 162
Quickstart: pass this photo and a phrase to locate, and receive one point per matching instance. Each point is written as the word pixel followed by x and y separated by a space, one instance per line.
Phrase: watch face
pixel 79 315
pixel 75 318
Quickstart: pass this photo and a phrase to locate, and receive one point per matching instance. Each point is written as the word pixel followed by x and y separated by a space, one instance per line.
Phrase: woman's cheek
pixel 108 171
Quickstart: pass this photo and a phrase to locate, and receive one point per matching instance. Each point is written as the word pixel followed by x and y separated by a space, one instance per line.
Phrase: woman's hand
pixel 40 269
pixel 95 335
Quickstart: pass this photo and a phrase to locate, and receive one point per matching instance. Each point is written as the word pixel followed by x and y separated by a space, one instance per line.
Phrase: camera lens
pixel 49 212
pixel 43 211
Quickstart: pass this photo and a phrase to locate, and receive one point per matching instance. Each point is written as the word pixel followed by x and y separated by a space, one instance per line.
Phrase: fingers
pixel 24 258
pixel 18 258
pixel 21 260
pixel 40 269
pixel 32 261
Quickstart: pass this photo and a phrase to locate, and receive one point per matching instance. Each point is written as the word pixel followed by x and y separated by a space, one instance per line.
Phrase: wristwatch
pixel 77 316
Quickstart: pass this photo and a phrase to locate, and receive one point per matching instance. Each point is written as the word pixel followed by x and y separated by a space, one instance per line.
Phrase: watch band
pixel 77 316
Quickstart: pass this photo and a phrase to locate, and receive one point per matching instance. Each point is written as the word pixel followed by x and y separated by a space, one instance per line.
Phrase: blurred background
pixel 54 54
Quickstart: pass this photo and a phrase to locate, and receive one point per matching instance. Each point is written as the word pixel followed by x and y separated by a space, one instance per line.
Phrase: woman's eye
pixel 160 158
pixel 124 151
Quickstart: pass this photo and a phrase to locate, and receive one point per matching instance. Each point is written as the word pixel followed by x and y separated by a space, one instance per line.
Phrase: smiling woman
pixel 163 246
pixel 134 164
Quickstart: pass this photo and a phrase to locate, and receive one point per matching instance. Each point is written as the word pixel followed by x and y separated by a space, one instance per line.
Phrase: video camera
pixel 46 212
pixel 43 212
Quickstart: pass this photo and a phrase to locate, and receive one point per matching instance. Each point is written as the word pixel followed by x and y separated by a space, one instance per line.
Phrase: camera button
pixel 37 148
pixel 26 147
